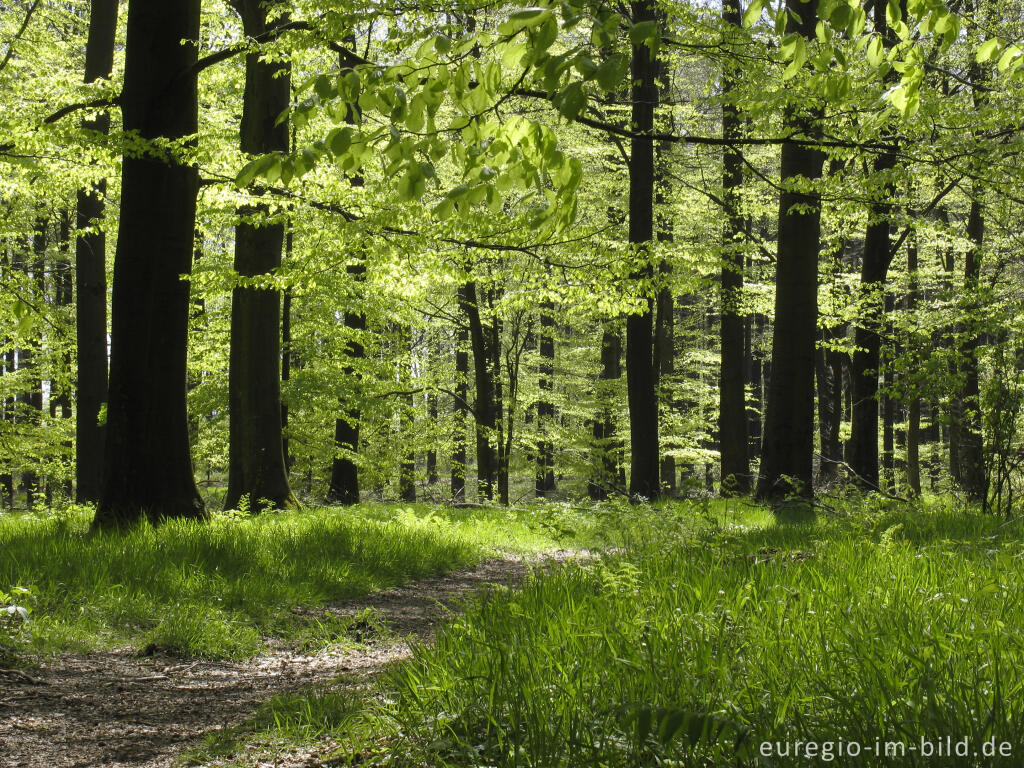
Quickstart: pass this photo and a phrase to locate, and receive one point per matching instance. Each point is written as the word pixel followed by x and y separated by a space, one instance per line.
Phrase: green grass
pixel 717 630
pixel 219 589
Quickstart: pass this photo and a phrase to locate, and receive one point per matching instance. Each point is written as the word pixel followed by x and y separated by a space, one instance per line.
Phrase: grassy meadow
pixel 221 589
pixel 708 634
pixel 718 637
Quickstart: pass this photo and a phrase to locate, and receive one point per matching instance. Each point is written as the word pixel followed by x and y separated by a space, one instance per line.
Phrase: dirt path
pixel 118 709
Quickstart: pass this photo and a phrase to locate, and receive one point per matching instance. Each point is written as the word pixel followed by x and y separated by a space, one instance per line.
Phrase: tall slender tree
pixel 91 276
pixel 343 487
pixel 862 452
pixel 787 456
pixel 641 377
pixel 545 407
pixel 732 413
pixel 256 466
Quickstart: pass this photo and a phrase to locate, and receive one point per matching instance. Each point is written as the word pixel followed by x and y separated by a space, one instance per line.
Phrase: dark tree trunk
pixel 461 406
pixel 606 448
pixel 407 471
pixel 432 416
pixel 970 458
pixel 147 466
pixel 343 487
pixel 344 484
pixel 29 356
pixel 256 466
pixel 503 447
pixel 641 377
pixel 914 407
pixel 829 375
pixel 862 454
pixel 63 296
pixel 888 404
pixel 755 375
pixel 732 407
pixel 788 447
pixel 91 278
pixel 545 407
pixel 286 360
pixel 485 411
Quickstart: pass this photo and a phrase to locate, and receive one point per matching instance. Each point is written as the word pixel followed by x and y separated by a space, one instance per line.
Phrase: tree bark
pixel 732 407
pixel 545 485
pixel 862 454
pixel 641 377
pixel 970 458
pixel 148 467
pixel 461 406
pixel 257 472
pixel 91 277
pixel 914 407
pixel 606 448
pixel 788 447
pixel 485 411
pixel 343 487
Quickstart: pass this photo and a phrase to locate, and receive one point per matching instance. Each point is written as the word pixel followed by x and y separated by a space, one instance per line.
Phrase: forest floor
pixel 121 708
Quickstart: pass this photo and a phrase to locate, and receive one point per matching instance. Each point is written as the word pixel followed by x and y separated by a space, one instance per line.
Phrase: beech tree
pixel 147 469
pixel 256 464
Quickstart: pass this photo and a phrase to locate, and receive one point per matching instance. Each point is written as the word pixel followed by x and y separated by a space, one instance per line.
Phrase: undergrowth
pixel 713 633
pixel 221 589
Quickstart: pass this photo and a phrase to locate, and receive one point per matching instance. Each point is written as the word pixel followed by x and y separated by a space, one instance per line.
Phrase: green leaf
pixel 987 50
pixel 349 87
pixel 753 13
pixel 412 184
pixel 644 32
pixel 444 209
pixel 837 87
pixel 875 52
pixel 524 19
pixel 1008 57
pixel 571 100
pixel 324 88
pixel 893 14
pixel 585 66
pixel 612 71
pixel 841 17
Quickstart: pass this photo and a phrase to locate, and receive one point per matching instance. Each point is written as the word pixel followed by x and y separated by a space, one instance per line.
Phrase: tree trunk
pixel 486 410
pixel 343 487
pixel 732 407
pixel 606 448
pixel 970 457
pixel 147 467
pixel 788 447
pixel 344 484
pixel 256 466
pixel 888 404
pixel 29 357
pixel 641 377
pixel 432 416
pixel 63 296
pixel 545 407
pixel 503 447
pixel 862 455
pixel 91 277
pixel 914 407
pixel 461 406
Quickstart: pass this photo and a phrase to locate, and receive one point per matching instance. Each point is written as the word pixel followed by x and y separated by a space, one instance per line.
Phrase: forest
pixel 562 383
